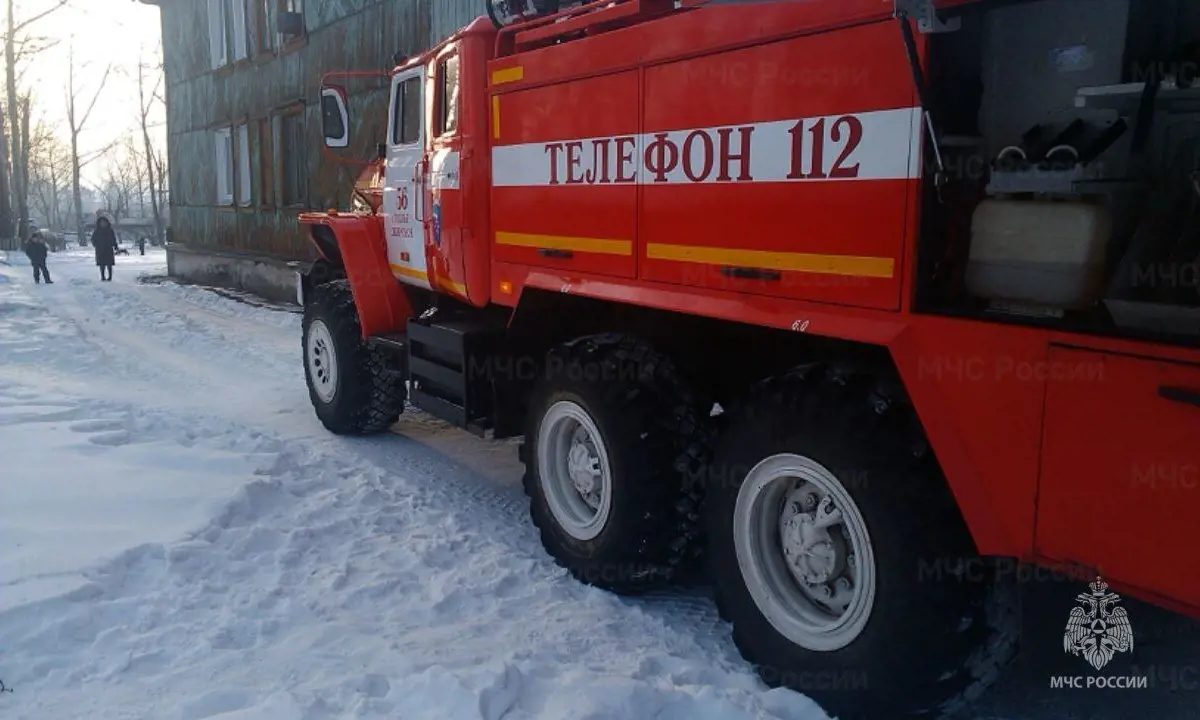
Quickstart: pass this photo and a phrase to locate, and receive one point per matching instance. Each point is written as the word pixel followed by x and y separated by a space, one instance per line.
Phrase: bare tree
pixel 49 175
pixel 18 46
pixel 78 113
pixel 125 181
pixel 146 102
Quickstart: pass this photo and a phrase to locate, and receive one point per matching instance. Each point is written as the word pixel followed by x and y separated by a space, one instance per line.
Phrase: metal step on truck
pixel 848 307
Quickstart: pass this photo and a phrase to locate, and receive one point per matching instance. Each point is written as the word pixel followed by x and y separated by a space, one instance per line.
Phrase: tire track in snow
pixel 425 575
pixel 203 307
pixel 420 566
pixel 150 348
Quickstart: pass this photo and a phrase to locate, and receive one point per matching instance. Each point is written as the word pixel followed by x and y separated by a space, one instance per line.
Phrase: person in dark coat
pixel 142 245
pixel 35 250
pixel 104 239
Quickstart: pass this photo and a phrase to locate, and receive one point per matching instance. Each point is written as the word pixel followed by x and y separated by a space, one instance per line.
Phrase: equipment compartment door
pixel 787 169
pixel 564 175
pixel 404 205
pixel 1120 480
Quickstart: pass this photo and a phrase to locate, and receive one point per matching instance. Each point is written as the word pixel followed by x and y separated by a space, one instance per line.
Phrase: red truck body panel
pixel 765 168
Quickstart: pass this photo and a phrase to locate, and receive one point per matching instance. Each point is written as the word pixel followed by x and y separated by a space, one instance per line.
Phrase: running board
pixel 393 343
pixel 448 374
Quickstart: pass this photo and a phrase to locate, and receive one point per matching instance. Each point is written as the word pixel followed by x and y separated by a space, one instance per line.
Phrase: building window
pixel 292 159
pixel 266 163
pixel 448 95
pixel 241 39
pixel 218 47
pixel 223 146
pixel 262 40
pixel 243 165
pixel 291 21
pixel 228 27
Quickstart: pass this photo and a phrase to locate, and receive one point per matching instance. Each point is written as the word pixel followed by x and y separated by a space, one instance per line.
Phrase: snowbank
pixel 190 544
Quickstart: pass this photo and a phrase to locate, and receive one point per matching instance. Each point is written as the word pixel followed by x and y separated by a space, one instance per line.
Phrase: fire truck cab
pixel 846 306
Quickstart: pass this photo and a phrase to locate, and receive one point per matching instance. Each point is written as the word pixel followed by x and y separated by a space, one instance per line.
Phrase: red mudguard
pixel 382 305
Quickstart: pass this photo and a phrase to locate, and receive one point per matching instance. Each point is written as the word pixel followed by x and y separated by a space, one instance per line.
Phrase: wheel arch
pixel 353 247
pixel 710 352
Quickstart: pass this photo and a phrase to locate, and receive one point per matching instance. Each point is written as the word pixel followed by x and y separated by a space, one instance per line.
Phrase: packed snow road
pixel 179 538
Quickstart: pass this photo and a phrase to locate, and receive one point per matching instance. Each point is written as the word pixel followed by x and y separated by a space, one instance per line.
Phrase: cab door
pixel 403 191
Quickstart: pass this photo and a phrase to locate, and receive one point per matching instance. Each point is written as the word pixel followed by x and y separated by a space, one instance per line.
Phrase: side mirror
pixel 337 132
pixel 335 117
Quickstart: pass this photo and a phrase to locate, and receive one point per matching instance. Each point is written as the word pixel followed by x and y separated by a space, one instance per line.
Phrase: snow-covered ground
pixel 180 539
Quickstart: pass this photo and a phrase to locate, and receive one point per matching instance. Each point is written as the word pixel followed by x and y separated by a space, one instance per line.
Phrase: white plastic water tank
pixel 1041 252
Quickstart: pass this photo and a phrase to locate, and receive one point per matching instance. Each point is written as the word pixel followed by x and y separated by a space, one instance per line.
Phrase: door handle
pixel 1179 395
pixel 548 252
pixel 745 273
pixel 419 187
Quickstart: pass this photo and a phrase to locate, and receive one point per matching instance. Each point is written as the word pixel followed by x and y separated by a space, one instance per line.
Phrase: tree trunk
pixel 23 170
pixel 154 207
pixel 76 194
pixel 20 137
pixel 55 218
pixel 6 218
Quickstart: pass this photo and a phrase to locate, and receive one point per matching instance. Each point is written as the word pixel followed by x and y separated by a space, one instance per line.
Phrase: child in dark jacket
pixel 35 250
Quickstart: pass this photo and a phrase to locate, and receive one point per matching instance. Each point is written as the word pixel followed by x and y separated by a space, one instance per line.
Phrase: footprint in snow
pixel 111 439
pixel 215 703
pixel 96 426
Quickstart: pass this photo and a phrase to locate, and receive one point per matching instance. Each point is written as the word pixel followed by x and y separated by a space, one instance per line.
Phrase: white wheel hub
pixel 322 361
pixel 584 468
pixel 804 552
pixel 574 470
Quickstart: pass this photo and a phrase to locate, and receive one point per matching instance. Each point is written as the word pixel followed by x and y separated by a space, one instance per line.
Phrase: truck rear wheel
pixel 839 555
pixel 350 384
pixel 611 434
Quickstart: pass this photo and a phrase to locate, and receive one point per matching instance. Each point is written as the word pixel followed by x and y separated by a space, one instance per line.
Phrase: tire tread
pixel 375 394
pixel 666 542
pixel 964 660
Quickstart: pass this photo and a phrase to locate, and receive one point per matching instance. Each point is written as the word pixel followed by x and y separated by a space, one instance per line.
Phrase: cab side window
pixel 406 112
pixel 447 118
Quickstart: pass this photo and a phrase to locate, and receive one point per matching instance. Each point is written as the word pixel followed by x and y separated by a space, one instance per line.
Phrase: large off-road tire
pixel 351 386
pixel 820 483
pixel 613 444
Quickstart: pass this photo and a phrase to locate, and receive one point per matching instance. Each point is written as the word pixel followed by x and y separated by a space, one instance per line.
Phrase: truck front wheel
pixel 841 560
pixel 351 386
pixel 612 430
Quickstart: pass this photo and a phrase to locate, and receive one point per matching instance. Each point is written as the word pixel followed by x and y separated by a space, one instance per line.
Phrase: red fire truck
pixel 848 304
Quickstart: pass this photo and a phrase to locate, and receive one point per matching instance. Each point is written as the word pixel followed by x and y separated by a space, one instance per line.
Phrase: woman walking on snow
pixel 105 242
